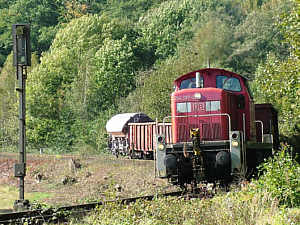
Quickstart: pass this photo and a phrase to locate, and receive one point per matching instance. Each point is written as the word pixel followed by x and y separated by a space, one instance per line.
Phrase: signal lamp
pixel 235 143
pixel 234 136
pixel 197 95
pixel 161 147
pixel 160 139
pixel 21 45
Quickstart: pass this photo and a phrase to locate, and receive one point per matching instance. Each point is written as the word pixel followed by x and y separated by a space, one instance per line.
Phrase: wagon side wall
pixel 142 136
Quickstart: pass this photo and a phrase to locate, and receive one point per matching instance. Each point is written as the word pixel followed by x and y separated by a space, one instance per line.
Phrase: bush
pixel 280 178
pixel 232 208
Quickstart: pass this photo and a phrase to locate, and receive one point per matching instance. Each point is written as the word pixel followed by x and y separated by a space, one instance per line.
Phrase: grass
pixel 238 208
pixel 99 175
pixel 96 179
pixel 8 195
pixel 273 199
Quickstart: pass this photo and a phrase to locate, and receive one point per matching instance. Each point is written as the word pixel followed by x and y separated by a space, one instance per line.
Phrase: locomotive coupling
pixel 195 135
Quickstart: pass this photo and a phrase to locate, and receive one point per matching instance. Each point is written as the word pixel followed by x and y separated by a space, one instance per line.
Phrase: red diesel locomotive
pixel 217 130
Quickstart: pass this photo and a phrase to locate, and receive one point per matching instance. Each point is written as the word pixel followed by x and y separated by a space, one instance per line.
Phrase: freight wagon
pixel 135 134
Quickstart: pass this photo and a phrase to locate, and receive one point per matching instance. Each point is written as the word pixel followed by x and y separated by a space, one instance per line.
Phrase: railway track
pixel 61 214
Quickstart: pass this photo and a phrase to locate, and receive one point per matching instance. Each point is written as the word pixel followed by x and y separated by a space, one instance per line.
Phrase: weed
pixel 10 194
pixel 240 208
pixel 280 178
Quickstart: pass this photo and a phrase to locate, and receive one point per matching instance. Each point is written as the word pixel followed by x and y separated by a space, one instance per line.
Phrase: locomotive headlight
pixel 234 143
pixel 161 147
pixel 197 95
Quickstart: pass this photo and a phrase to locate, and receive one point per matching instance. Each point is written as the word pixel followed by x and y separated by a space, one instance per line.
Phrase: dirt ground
pixel 80 179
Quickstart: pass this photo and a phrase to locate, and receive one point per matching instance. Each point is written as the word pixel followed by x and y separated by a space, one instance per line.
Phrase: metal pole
pixel 22 114
pixel 22 58
pixel 20 168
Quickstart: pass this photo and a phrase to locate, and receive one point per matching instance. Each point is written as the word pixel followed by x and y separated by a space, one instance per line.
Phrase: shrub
pixel 239 208
pixel 280 177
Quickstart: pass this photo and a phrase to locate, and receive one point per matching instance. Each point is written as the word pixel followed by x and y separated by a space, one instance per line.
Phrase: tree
pixel 210 31
pixel 41 15
pixel 213 41
pixel 257 36
pixel 277 80
pixel 8 104
pixel 9 112
pixel 90 64
pixel 161 27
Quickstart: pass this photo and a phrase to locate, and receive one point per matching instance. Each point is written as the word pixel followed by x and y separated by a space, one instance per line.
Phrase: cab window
pixel 184 107
pixel 190 83
pixel 228 83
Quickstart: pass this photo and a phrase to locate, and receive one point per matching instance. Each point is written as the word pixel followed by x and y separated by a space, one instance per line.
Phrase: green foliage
pixel 257 36
pixel 174 23
pixel 162 28
pixel 154 88
pixel 11 193
pixel 251 5
pixel 290 24
pixel 280 178
pixel 44 132
pixel 277 81
pixel 9 103
pixel 127 58
pixel 214 38
pixel 51 119
pixel 42 17
pixel 114 76
pixel 234 208
pixel 130 9
pixel 221 33
pixel 92 67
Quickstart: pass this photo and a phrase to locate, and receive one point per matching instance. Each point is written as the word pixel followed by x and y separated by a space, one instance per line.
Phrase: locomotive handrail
pixel 262 129
pixel 148 123
pixel 209 115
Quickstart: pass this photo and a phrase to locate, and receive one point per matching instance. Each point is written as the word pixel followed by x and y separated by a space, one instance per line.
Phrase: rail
pixel 61 214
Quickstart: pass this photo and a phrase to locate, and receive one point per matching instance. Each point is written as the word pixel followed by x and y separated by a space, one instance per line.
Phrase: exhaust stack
pixel 198 80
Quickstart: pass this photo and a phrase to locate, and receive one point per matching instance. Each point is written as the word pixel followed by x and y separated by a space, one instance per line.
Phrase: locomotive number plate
pixel 198 106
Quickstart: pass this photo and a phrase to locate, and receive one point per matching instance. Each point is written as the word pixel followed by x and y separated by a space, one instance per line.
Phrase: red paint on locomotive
pixel 221 92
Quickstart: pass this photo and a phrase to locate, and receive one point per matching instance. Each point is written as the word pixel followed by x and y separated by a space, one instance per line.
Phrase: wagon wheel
pixel 144 156
pixel 141 155
pixel 115 152
pixel 131 154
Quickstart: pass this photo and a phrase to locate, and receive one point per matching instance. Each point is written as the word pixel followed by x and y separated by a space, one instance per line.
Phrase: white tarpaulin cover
pixel 117 122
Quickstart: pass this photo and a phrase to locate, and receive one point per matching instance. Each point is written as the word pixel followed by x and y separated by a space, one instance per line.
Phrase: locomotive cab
pixel 213 121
